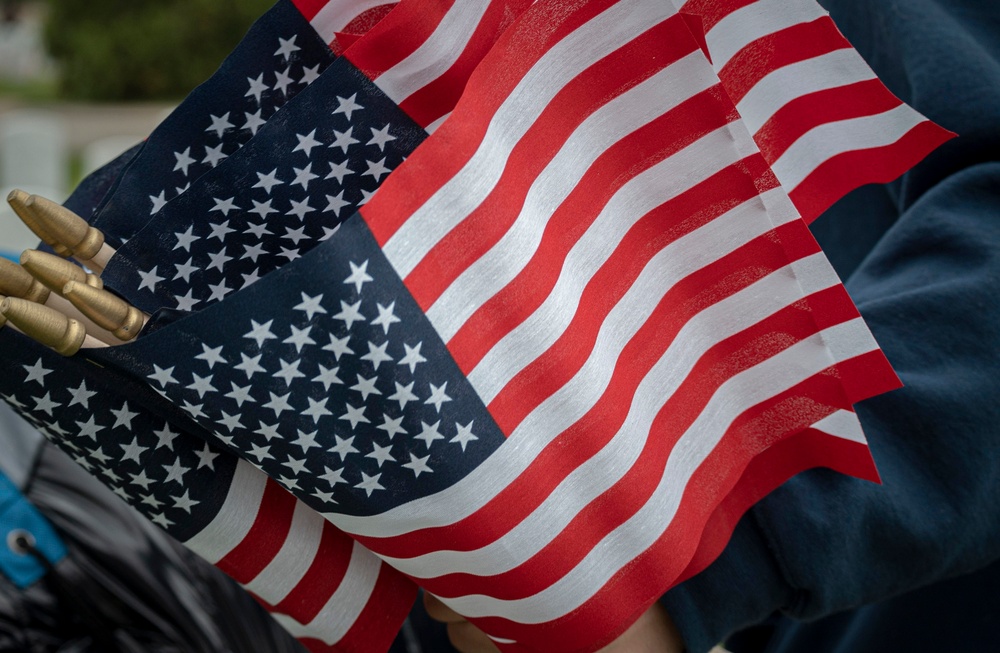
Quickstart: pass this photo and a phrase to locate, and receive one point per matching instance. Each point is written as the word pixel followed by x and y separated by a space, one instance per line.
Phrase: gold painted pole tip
pixel 66 227
pixel 19 201
pixel 54 272
pixel 105 309
pixel 44 325
pixel 17 197
pixel 15 281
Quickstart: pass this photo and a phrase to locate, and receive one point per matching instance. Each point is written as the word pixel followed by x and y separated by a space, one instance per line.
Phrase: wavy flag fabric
pixel 326 589
pixel 563 346
pixel 820 116
pixel 91 190
pixel 559 325
pixel 340 24
pixel 304 173
pixel 280 55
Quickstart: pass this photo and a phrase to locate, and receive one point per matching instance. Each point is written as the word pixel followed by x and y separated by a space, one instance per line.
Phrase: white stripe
pixel 435 55
pixel 778 88
pixel 643 193
pixel 601 36
pixel 755 21
pixel 236 516
pixel 518 452
pixel 842 424
pixel 830 139
pixel 297 554
pixel 626 113
pixel 337 14
pixel 598 474
pixel 343 608
pixel 620 547
pixel 433 127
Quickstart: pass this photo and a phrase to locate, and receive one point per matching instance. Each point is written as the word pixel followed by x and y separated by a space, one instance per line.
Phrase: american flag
pixel 607 257
pixel 301 176
pixel 568 342
pixel 280 56
pixel 341 24
pixel 562 348
pixel 325 588
pixel 819 115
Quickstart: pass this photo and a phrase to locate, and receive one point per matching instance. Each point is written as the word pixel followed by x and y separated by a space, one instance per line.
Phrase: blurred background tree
pixel 112 50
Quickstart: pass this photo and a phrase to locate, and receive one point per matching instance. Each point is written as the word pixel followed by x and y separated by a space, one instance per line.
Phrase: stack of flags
pixel 511 301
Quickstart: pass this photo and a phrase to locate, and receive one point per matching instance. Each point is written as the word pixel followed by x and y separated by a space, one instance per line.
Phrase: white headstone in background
pixel 105 150
pixel 33 157
pixel 33 150
pixel 22 51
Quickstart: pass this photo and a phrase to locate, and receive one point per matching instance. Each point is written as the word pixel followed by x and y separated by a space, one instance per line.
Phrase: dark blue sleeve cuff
pixel 742 587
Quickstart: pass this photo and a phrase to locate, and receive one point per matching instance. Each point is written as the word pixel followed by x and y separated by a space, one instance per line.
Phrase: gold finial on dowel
pixel 47 326
pixel 18 200
pixel 108 311
pixel 15 281
pixel 70 230
pixel 54 272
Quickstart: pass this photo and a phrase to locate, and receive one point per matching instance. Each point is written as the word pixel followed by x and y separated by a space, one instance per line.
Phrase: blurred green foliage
pixel 134 50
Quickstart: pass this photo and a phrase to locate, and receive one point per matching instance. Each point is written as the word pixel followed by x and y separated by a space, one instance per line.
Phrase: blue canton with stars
pixel 326 375
pixel 280 56
pixel 285 192
pixel 105 423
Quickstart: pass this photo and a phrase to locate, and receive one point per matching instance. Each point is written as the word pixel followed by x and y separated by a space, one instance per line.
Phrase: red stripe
pixel 808 449
pixel 713 283
pixel 265 538
pixel 804 113
pixel 726 359
pixel 322 579
pixel 769 53
pixel 383 614
pixel 309 8
pixel 397 36
pixel 586 94
pixel 713 11
pixel 555 367
pixel 358 27
pixel 635 587
pixel 367 19
pixel 440 158
pixel 660 139
pixel 440 96
pixel 843 173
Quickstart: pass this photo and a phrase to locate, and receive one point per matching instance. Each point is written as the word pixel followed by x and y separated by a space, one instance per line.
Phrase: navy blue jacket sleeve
pixel 924 258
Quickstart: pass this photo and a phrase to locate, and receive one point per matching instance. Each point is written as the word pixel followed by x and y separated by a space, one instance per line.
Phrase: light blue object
pixel 20 521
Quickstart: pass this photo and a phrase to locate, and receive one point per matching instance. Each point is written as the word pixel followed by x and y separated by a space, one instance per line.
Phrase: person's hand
pixel 653 632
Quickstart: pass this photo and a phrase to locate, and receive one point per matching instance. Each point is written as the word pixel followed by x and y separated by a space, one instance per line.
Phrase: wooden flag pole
pixel 18 200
